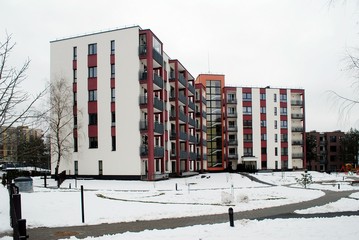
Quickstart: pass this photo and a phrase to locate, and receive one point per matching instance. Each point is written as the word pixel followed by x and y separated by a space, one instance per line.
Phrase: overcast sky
pixel 281 43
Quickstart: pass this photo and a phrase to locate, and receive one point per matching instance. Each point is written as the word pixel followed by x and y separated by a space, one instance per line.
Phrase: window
pixel 113 118
pixel 93 142
pixel 247 96
pixel 275 111
pixel 247 123
pixel 76 165
pixel 284 137
pixel 74 75
pixel 93 119
pixel 92 72
pixel 283 124
pixel 248 152
pixel 275 137
pixel 283 97
pixel 75 53
pixel 276 151
pixel 231 97
pixel 231 110
pixel 284 151
pixel 100 167
pixel 333 148
pixel 113 47
pixel 263 109
pixel 92 49
pixel 264 137
pixel 264 150
pixel 75 121
pixel 275 124
pixel 332 138
pixel 275 97
pixel 262 96
pixel 92 95
pixel 75 98
pixel 113 142
pixel 247 137
pixel 112 70
pixel 283 111
pixel 113 96
pixel 247 110
pixel 263 123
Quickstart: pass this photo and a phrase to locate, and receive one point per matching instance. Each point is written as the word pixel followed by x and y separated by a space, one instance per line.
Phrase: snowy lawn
pixel 118 201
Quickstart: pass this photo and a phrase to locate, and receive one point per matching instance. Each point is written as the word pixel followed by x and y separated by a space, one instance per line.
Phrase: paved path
pixel 285 211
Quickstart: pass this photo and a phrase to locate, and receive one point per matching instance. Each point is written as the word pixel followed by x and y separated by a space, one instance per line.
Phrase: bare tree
pixel 60 120
pixel 16 105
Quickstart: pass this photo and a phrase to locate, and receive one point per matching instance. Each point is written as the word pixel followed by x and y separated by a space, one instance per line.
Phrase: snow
pixel 120 201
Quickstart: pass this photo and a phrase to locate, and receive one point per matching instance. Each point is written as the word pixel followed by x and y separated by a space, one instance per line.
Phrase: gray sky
pixel 281 43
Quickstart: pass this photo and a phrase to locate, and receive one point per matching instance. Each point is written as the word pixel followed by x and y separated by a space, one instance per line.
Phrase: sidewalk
pixel 285 211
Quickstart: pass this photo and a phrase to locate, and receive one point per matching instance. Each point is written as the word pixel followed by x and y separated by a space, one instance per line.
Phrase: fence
pixel 17 223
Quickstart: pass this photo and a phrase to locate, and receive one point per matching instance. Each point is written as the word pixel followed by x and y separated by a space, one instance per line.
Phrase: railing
pixel 297 155
pixel 142 50
pixel 297 129
pixel 157 57
pixel 232 128
pixel 191 121
pixel 143 76
pixel 204 100
pixel 143 125
pixel 159 128
pixel 142 99
pixel 183 154
pixel 191 89
pixel 158 151
pixel 191 105
pixel 182 98
pixel 183 136
pixel 297 142
pixel 157 80
pixel 192 156
pixel 231 100
pixel 297 115
pixel 232 114
pixel 182 116
pixel 182 80
pixel 297 102
pixel 192 139
pixel 158 103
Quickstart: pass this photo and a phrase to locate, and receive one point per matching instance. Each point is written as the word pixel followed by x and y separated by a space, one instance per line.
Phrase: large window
pixel 247 96
pixel 113 47
pixel 113 118
pixel 75 53
pixel 92 95
pixel 247 110
pixel 93 119
pixel 283 111
pixel 283 97
pixel 92 49
pixel 93 142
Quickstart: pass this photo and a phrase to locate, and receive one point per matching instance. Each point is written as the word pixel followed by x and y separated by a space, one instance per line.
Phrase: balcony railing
pixel 192 139
pixel 191 105
pixel 183 154
pixel 158 103
pixel 158 152
pixel 143 150
pixel 297 129
pixel 142 50
pixel 231 114
pixel 204 114
pixel 183 136
pixel 191 89
pixel 192 156
pixel 173 135
pixel 143 125
pixel 157 57
pixel 297 103
pixel 191 122
pixel 232 128
pixel 158 80
pixel 297 115
pixel 142 99
pixel 232 142
pixel 182 116
pixel 182 80
pixel 204 100
pixel 297 142
pixel 159 128
pixel 232 101
pixel 297 155
pixel 232 156
pixel 143 76
pixel 182 98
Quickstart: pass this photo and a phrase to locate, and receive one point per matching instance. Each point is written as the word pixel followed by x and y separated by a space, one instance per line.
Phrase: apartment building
pixel 328 151
pixel 253 128
pixel 138 113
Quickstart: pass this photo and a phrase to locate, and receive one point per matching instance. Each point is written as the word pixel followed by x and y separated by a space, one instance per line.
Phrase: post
pixel 230 212
pixel 45 178
pixel 17 205
pixel 82 204
pixel 176 186
pixel 22 228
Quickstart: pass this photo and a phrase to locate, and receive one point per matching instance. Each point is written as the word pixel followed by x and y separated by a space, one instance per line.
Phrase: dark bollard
pixel 45 180
pixel 82 204
pixel 22 229
pixel 338 186
pixel 230 212
pixel 17 205
pixel 69 185
pixel 176 186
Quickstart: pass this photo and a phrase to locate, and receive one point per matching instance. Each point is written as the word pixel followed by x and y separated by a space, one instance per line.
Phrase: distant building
pixel 11 137
pixel 328 151
pixel 252 128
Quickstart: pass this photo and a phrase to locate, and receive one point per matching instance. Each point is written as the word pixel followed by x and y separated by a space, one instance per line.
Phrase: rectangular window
pixel 283 111
pixel 284 137
pixel 275 137
pixel 75 53
pixel 113 47
pixel 112 70
pixel 74 75
pixel 113 142
pixel 283 97
pixel 264 137
pixel 113 95
pixel 231 97
pixel 92 49
pixel 92 95
pixel 263 123
pixel 275 111
pixel 75 144
pixel 75 98
pixel 247 97
pixel 262 96
pixel 247 110
pixel 93 119
pixel 275 97
pixel 100 167
pixel 92 72
pixel 264 150
pixel 113 119
pixel 247 137
pixel 275 151
pixel 284 151
pixel 76 165
pixel 248 152
pixel 93 142
pixel 283 124
pixel 247 124
pixel 263 109
pixel 275 124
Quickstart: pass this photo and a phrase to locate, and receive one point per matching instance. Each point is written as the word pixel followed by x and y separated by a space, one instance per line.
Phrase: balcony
pixel 192 156
pixel 183 136
pixel 204 100
pixel 191 105
pixel 142 51
pixel 182 98
pixel 191 122
pixel 192 139
pixel 182 80
pixel 183 154
pixel 204 128
pixel 297 116
pixel 297 103
pixel 232 114
pixel 158 128
pixel 232 143
pixel 143 125
pixel 204 114
pixel 182 116
pixel 297 142
pixel 204 142
pixel 143 150
pixel 172 115
pixel 173 135
pixel 232 128
pixel 158 152
pixel 157 57
pixel 158 104
pixel 143 100
pixel 297 129
pixel 142 76
pixel 158 81
pixel 232 156
pixel 297 155
pixel 191 89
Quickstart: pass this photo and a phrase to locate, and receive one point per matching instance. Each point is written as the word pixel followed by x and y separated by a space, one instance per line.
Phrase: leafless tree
pixel 60 120
pixel 16 105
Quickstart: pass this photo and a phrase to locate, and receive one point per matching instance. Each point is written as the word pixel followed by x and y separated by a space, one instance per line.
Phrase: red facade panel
pixel 92 107
pixel 92 83
pixel 93 130
pixel 92 60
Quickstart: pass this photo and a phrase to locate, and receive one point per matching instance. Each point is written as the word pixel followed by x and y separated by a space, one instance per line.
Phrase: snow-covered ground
pixel 118 201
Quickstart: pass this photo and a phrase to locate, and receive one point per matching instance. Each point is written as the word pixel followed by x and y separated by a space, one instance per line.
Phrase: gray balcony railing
pixel 204 128
pixel 159 128
pixel 297 142
pixel 157 57
pixel 183 154
pixel 231 101
pixel 143 99
pixel 173 135
pixel 204 142
pixel 182 116
pixel 143 150
pixel 192 139
pixel 158 151
pixel 232 142
pixel 191 105
pixel 231 114
pixel 192 156
pixel 204 114
pixel 143 76
pixel 158 103
pixel 191 89
pixel 297 129
pixel 232 128
pixel 182 80
pixel 158 80
pixel 204 100
pixel 143 125
pixel 191 121
pixel 297 115
pixel 204 156
pixel 182 98
pixel 142 50
pixel 183 136
pixel 232 156
pixel 297 102
pixel 297 155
